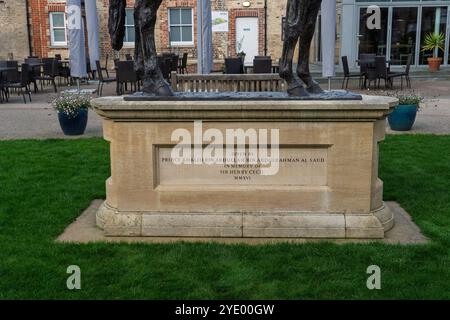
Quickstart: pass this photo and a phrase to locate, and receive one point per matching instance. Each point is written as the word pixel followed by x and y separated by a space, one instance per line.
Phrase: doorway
pixel 247 37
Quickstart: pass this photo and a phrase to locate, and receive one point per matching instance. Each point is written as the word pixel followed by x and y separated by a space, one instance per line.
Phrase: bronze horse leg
pixel 145 15
pixel 146 63
pixel 292 34
pixel 301 18
pixel 308 18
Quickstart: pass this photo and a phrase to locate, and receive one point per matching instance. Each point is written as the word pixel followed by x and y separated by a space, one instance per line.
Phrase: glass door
pixel 434 20
pixel 447 53
pixel 403 35
pixel 373 41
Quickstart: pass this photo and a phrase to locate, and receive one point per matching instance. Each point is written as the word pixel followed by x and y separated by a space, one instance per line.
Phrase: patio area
pixel 38 120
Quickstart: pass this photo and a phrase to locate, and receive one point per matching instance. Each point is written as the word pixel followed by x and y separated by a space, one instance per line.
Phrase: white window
pixel 129 27
pixel 58 29
pixel 181 28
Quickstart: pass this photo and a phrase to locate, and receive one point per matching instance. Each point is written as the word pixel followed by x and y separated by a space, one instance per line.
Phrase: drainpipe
pixel 265 27
pixel 27 11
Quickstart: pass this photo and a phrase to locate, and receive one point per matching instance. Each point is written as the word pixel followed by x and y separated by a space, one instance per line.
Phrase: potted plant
pixel 404 115
pixel 434 41
pixel 240 52
pixel 72 109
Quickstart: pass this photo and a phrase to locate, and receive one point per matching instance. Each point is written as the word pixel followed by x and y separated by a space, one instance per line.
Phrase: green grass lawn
pixel 45 185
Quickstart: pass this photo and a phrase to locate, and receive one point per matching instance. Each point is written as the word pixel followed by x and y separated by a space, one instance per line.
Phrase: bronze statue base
pixel 340 95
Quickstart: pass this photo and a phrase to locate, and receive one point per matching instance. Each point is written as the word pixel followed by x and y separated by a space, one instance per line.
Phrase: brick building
pixel 14 34
pixel 176 27
pixel 253 26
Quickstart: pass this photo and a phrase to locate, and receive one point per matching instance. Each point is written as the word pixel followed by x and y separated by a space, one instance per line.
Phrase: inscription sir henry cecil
pixel 297 167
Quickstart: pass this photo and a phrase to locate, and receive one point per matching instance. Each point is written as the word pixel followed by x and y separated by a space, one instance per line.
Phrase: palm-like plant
pixel 433 41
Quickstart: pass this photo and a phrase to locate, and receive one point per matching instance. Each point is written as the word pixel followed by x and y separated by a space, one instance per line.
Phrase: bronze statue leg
pixel 116 23
pixel 292 33
pixel 308 14
pixel 145 14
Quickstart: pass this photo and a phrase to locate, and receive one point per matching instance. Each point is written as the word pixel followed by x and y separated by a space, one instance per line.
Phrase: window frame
pixel 125 42
pixel 53 42
pixel 181 43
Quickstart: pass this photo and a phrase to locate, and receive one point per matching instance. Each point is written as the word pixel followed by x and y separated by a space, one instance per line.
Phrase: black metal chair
pixel 383 73
pixel 12 75
pixel 234 66
pixel 34 64
pixel 262 65
pixel 21 84
pixel 89 71
pixel 182 68
pixel 367 68
pixel 102 80
pixel 126 74
pixel 404 74
pixel 263 57
pixel 63 70
pixel 105 68
pixel 348 75
pixel 3 92
pixel 174 63
pixel 49 72
pixel 165 65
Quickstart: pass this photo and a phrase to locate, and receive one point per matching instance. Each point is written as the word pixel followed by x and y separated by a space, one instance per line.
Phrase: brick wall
pixel 13 29
pixel 40 30
pixel 13 21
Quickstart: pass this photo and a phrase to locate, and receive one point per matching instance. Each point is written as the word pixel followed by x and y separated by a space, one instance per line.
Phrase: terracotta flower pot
pixel 434 64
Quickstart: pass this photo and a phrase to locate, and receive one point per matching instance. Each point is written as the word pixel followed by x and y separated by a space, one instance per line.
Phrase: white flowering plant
pixel 406 97
pixel 71 103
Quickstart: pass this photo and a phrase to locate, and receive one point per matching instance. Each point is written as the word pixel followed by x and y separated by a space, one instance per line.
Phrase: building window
pixel 129 27
pixel 181 29
pixel 58 29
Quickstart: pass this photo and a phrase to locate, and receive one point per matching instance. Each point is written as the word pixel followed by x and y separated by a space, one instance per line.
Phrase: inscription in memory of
pixel 297 167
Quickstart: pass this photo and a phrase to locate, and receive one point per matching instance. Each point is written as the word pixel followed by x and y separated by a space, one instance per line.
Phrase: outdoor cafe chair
pixel 126 74
pixel 182 68
pixel 22 84
pixel 105 68
pixel 174 63
pixel 348 75
pixel 367 68
pixel 263 57
pixel 11 75
pixel 383 72
pixel 165 65
pixel 101 79
pixel 49 72
pixel 262 65
pixel 404 74
pixel 89 71
pixel 234 66
pixel 63 70
pixel 35 65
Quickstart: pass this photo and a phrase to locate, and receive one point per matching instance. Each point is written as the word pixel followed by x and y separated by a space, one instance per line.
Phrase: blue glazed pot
pixel 73 126
pixel 403 117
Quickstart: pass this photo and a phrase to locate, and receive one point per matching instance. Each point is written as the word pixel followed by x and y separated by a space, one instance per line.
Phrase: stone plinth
pixel 327 184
